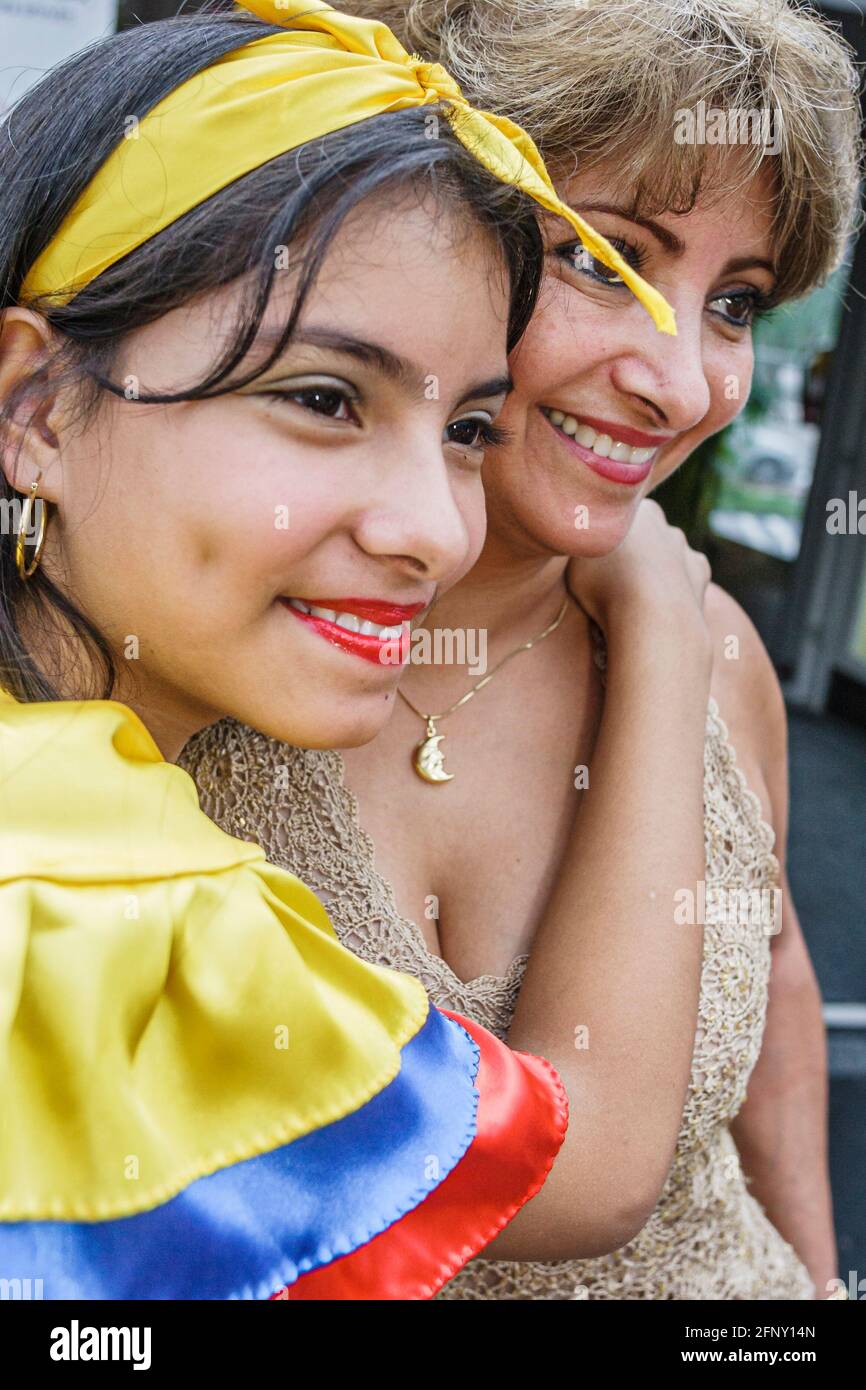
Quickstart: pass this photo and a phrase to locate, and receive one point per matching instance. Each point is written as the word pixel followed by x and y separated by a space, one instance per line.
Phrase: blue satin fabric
pixel 247 1230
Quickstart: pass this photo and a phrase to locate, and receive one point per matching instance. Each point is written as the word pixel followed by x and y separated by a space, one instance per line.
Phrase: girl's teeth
pixel 350 621
pixel 601 444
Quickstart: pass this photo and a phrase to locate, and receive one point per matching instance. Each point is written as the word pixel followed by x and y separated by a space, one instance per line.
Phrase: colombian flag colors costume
pixel 204 1094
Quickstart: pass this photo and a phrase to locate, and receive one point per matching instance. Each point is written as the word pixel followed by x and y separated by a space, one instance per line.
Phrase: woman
pixel 249 228
pixel 482 884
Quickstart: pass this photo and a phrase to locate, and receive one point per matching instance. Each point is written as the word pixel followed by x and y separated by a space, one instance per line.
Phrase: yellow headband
pixel 325 72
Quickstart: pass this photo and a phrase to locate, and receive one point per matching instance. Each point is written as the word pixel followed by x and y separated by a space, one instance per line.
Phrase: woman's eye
pixel 579 258
pixel 329 401
pixel 740 307
pixel 583 260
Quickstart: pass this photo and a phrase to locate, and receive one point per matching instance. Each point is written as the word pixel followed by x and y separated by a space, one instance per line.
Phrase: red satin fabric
pixel 521 1123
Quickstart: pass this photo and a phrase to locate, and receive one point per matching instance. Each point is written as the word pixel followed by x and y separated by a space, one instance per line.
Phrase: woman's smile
pixel 617 452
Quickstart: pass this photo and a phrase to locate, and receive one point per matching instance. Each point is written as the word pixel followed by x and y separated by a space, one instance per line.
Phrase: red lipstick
pixel 392 650
pixel 374 610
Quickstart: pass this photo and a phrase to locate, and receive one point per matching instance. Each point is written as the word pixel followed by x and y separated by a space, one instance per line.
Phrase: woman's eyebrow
pixel 399 369
pixel 669 240
pixel 748 263
pixel 674 244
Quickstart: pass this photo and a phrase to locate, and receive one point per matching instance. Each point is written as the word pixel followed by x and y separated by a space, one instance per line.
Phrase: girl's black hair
pixel 52 143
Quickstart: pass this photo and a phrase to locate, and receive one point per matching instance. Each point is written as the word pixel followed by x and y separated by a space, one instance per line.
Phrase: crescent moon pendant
pixel 428 760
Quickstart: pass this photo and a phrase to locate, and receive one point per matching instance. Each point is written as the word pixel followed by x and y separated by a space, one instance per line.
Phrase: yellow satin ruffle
pixel 170 1003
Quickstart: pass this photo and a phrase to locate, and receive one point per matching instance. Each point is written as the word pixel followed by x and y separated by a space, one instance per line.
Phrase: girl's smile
pixel 367 628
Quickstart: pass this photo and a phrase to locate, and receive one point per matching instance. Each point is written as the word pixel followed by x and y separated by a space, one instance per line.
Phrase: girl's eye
pixel 475 432
pixel 579 258
pixel 330 401
pixel 741 307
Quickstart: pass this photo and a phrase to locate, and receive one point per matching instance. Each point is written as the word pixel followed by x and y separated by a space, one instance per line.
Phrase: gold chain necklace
pixel 427 757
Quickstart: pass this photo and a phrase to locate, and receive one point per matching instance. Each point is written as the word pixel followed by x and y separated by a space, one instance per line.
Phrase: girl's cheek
pixel 473 509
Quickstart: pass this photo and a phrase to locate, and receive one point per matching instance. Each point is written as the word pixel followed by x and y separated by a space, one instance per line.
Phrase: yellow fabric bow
pixel 170 1002
pixel 326 71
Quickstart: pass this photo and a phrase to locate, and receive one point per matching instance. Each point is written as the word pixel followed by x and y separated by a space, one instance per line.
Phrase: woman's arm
pixel 781 1130
pixel 611 990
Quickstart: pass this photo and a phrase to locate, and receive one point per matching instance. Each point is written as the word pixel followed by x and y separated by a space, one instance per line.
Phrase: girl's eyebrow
pixel 399 369
pixel 395 368
pixel 496 386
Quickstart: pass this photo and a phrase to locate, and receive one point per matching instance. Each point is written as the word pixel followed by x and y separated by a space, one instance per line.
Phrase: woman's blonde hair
pixel 609 80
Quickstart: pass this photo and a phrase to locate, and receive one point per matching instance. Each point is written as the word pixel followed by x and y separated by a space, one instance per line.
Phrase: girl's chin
pixel 341 724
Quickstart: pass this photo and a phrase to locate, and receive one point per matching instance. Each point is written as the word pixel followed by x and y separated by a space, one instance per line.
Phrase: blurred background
pixel 778 502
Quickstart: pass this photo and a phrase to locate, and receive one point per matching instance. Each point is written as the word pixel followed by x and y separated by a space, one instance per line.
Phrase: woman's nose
pixel 668 373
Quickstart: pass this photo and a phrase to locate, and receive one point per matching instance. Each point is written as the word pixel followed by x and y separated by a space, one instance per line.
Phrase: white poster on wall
pixel 36 34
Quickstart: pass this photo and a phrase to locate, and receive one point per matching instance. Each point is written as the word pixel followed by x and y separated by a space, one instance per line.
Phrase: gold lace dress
pixel 708 1238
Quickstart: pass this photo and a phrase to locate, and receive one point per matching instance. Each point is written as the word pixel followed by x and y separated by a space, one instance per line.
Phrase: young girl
pixel 552 887
pixel 236 259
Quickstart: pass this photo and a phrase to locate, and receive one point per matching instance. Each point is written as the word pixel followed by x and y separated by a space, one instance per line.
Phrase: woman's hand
pixel 653 571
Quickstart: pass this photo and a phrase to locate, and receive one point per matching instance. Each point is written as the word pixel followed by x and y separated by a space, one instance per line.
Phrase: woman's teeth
pixel 350 621
pixel 600 444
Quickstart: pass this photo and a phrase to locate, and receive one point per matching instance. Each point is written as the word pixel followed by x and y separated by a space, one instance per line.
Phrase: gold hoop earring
pixel 25 572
